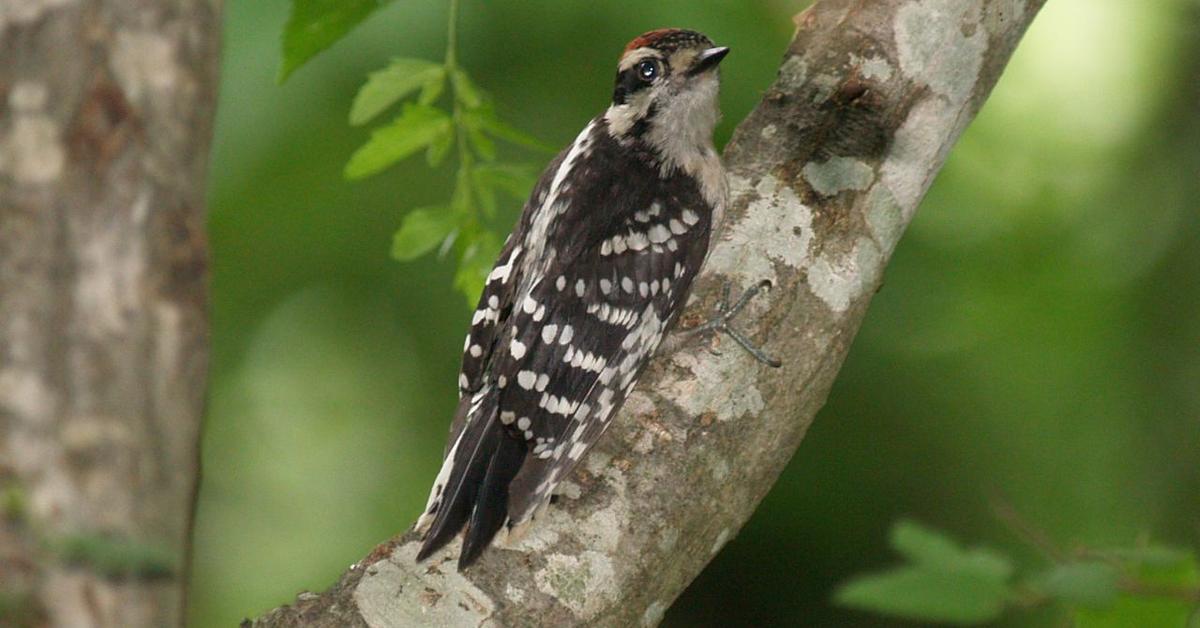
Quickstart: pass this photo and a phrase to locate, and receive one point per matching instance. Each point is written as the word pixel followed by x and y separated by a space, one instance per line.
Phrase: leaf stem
pixel 452 37
pixel 1027 531
pixel 463 178
pixel 1140 588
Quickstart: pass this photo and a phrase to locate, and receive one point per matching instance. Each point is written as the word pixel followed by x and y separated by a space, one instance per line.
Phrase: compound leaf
pixel 417 127
pixel 422 230
pixel 315 25
pixel 387 86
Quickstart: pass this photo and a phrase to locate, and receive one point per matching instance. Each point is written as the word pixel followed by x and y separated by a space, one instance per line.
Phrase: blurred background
pixel 1037 339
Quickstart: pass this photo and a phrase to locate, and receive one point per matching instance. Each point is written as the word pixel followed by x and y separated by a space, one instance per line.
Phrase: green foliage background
pixel 1037 338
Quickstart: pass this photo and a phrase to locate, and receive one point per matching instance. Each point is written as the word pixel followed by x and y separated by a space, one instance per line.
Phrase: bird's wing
pixel 579 337
pixel 476 398
pixel 495 303
pixel 585 290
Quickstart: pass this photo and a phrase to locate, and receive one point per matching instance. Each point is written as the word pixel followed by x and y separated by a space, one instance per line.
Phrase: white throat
pixel 680 130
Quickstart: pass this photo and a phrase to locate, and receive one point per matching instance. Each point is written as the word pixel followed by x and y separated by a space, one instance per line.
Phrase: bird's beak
pixel 708 59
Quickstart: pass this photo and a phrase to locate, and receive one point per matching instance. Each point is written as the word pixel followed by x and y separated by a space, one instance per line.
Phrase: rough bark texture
pixel 106 111
pixel 826 173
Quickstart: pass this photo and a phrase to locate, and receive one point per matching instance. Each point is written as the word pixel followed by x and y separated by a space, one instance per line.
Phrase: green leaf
pixel 482 143
pixel 1158 566
pixel 1152 556
pixel 485 117
pixel 923 545
pixel 432 90
pixel 1082 584
pixel 927 594
pixel 926 546
pixel 315 25
pixel 384 87
pixel 488 178
pixel 460 198
pixel 422 230
pixel 1155 568
pixel 1167 567
pixel 439 148
pixel 487 199
pixel 943 583
pixel 464 90
pixel 1142 612
pixel 417 127
pixel 479 255
pixel 514 179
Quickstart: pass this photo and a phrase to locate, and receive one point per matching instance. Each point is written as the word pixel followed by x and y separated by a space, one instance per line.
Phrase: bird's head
pixel 666 92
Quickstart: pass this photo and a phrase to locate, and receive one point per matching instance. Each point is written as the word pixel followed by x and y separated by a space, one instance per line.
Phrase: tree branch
pixel 106 114
pixel 826 173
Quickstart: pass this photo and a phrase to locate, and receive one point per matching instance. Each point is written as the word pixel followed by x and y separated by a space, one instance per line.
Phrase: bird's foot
pixel 725 312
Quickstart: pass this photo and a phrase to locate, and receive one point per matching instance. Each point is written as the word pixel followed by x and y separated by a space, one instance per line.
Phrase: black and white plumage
pixel 593 277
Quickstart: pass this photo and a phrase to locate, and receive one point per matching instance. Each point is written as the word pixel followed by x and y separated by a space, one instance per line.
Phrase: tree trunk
pixel 825 174
pixel 106 110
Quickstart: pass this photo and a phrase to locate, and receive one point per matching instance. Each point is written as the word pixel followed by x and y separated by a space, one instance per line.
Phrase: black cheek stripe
pixel 628 83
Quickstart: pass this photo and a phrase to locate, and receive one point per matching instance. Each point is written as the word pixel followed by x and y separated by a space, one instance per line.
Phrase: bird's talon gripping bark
pixel 723 315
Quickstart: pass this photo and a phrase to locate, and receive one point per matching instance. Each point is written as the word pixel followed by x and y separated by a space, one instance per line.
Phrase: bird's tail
pixel 472 488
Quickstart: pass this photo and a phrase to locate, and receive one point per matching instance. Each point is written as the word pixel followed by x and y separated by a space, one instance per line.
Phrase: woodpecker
pixel 592 278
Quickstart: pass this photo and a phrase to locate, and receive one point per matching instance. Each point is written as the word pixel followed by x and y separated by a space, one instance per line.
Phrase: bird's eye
pixel 649 69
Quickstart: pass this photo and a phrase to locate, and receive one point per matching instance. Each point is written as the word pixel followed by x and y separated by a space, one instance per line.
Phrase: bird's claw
pixel 724 313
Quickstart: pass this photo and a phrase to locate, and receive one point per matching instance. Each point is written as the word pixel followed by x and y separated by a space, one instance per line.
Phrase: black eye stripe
pixel 627 85
pixel 631 81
